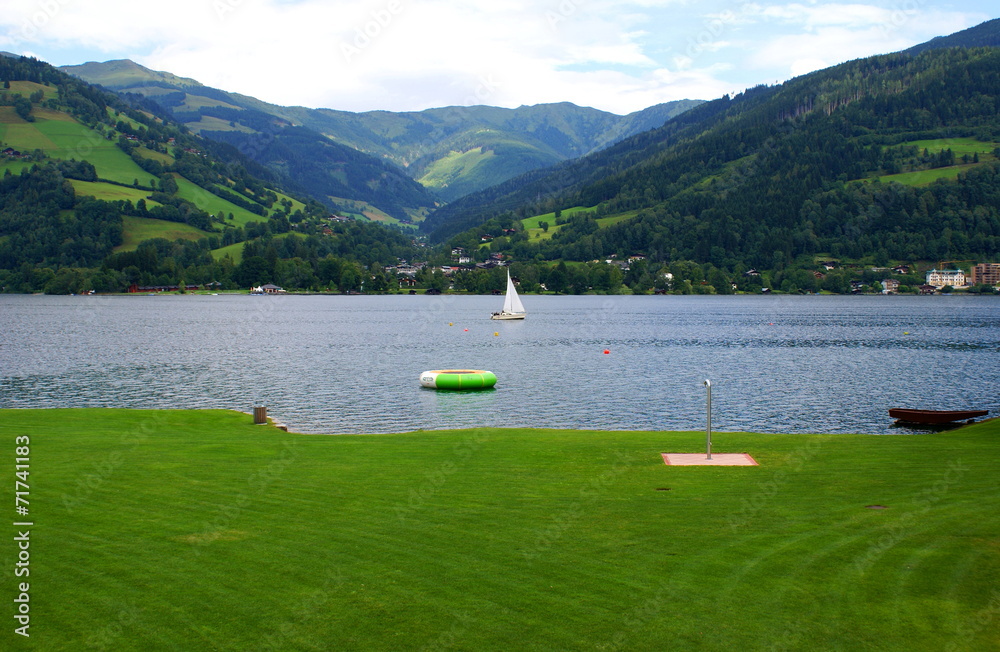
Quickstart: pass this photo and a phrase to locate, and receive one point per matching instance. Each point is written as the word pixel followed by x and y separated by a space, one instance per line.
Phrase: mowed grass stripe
pixel 220 534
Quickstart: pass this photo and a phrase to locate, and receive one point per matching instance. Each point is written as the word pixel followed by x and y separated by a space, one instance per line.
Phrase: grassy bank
pixel 159 530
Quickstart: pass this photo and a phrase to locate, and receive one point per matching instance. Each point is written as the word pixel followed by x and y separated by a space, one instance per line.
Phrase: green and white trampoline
pixel 458 379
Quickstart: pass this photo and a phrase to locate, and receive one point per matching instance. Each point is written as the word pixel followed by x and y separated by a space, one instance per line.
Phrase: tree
pixel 350 278
pixel 558 278
pixel 254 270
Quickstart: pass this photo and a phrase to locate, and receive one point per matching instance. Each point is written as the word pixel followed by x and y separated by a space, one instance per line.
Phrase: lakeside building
pixel 986 274
pixel 942 277
pixel 890 286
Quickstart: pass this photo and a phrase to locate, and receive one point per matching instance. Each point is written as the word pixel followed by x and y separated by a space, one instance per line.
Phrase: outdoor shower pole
pixel 708 423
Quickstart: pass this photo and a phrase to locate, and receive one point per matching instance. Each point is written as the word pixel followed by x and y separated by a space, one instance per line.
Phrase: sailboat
pixel 512 306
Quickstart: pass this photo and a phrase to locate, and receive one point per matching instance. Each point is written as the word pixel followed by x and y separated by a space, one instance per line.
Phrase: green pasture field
pixel 110 192
pixel 535 232
pixel 296 204
pixel 958 146
pixel 195 529
pixel 195 102
pixel 15 167
pixel 165 159
pixel 59 136
pixel 605 222
pixel 26 88
pixel 137 229
pixel 922 178
pixel 532 222
pixel 235 251
pixel 211 123
pixel 206 201
pixel 454 165
pixel 360 210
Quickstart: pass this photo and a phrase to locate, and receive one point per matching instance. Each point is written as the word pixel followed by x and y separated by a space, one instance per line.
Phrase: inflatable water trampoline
pixel 458 379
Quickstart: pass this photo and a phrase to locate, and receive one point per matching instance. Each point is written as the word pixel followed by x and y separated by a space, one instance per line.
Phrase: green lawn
pixel 185 530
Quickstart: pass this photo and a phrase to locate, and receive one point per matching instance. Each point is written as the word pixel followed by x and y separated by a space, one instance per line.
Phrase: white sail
pixel 512 306
pixel 512 302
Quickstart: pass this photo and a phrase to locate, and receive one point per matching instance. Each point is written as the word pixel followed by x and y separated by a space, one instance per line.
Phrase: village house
pixel 890 286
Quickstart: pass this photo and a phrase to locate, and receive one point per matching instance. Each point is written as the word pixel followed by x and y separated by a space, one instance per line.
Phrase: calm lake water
pixel 350 364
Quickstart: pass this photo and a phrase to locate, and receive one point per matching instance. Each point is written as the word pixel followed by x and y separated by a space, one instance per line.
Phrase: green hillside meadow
pixel 213 204
pixel 137 229
pixel 196 530
pixel 62 137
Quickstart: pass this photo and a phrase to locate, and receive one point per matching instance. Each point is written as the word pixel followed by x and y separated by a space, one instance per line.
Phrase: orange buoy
pixel 606 352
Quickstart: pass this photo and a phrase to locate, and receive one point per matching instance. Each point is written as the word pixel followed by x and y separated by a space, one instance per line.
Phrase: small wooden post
pixel 259 414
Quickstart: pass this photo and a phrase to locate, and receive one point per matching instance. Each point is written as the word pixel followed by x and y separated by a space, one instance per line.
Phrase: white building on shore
pixel 942 277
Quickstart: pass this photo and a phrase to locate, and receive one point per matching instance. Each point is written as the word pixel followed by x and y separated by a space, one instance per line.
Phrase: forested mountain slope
pixel 450 150
pixel 97 194
pixel 784 171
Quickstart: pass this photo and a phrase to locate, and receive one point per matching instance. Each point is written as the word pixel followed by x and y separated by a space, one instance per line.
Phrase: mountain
pixel 983 35
pixel 452 151
pixel 341 177
pixel 123 73
pixel 97 193
pixel 892 157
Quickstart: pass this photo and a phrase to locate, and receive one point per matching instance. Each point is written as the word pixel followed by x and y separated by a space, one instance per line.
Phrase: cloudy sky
pixel 403 55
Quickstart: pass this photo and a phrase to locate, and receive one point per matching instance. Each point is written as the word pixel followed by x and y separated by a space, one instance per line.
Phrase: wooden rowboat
pixel 935 416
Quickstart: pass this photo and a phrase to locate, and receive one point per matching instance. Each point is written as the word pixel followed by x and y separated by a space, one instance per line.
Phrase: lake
pixel 351 364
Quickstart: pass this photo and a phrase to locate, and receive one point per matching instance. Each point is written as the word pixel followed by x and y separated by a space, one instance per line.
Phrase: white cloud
pixel 408 55
pixel 819 35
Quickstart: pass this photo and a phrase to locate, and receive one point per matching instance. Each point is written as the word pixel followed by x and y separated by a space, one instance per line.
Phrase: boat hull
pixel 508 315
pixel 935 416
